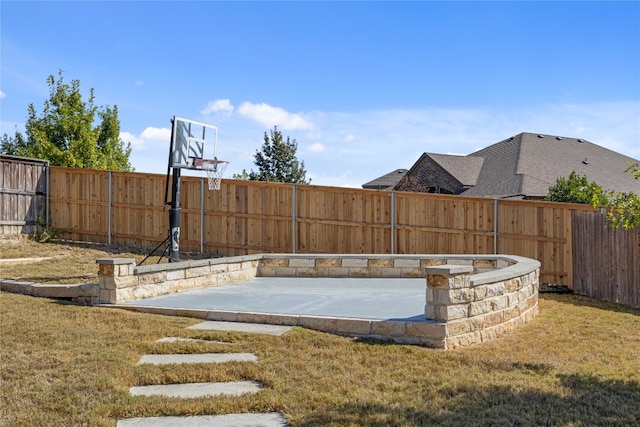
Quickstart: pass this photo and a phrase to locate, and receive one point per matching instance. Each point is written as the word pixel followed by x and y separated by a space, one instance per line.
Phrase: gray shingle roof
pixel 529 164
pixel 387 181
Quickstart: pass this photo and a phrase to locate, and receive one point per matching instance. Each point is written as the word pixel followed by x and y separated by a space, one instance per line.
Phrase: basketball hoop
pixel 215 169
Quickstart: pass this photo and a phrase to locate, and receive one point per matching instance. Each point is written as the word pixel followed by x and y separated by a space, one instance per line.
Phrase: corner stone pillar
pixel 448 292
pixel 111 272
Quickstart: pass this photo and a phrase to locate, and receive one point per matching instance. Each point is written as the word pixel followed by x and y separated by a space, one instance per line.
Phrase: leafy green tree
pixel 277 161
pixel 623 208
pixel 576 189
pixel 65 134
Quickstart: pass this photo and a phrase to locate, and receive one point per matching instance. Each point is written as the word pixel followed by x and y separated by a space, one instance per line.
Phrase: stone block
pixel 283 319
pixel 219 268
pixel 178 274
pixel 124 269
pixel 364 272
pixel 460 261
pixel 381 262
pixel 478 308
pixel 107 282
pixel 495 289
pixel 407 263
pixel 489 264
pixel 430 311
pixel 106 269
pixel 285 272
pixel 328 262
pixel 325 324
pixel 390 272
pixel 388 328
pixel 266 271
pixel 353 326
pixel 432 262
pixel 510 313
pixel 235 266
pixel 108 296
pixel 274 262
pixel 126 282
pixel 302 262
pixel 338 272
pixel 249 317
pixel 464 326
pixel 451 312
pixel 494 318
pixel 355 262
pixel 513 285
pixel 197 271
pixel 195 314
pixel 412 272
pixel 222 316
pixel 463 340
pixel 489 334
pixel 310 271
pixel 438 281
pixel 428 330
pixel 480 292
pixel 150 278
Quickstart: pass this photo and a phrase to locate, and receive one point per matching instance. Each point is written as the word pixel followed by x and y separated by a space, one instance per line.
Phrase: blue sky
pixel 363 87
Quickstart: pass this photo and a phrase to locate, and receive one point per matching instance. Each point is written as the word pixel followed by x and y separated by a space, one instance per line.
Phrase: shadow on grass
pixel 583 301
pixel 588 401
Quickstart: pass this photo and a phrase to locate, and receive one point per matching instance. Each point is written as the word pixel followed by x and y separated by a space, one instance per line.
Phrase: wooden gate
pixel 23 195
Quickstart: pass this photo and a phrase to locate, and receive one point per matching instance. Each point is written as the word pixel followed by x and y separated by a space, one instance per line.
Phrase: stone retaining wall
pixel 469 298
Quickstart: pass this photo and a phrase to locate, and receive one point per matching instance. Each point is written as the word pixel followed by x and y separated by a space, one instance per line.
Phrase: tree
pixel 65 134
pixel 277 161
pixel 623 208
pixel 576 189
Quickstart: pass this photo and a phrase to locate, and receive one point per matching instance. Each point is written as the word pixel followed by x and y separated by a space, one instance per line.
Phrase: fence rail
pixel 246 217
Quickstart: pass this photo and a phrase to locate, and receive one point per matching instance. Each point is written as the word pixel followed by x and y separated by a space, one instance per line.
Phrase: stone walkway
pixel 210 389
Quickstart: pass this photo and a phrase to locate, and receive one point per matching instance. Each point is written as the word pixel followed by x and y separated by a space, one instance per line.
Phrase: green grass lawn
pixel 576 364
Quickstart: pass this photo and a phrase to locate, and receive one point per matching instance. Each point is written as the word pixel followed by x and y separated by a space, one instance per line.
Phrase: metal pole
pixel 109 202
pixel 174 218
pixel 202 214
pixel 47 189
pixel 294 237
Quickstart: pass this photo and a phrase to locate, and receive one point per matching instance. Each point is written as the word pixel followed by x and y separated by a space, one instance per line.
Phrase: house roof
pixel 528 164
pixel 465 169
pixel 387 181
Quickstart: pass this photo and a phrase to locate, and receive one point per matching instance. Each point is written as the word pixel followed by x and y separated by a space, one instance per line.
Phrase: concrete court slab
pixel 232 420
pixel 192 390
pixel 254 328
pixel 365 298
pixel 194 340
pixel 172 359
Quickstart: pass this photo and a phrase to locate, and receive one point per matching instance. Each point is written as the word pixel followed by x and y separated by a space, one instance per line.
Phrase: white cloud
pixel 218 106
pixel 149 137
pixel 316 147
pixel 139 83
pixel 270 116
pixel 2 94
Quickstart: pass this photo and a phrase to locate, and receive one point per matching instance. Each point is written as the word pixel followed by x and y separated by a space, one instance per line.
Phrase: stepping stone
pixel 191 390
pixel 168 359
pixel 233 420
pixel 180 339
pixel 256 328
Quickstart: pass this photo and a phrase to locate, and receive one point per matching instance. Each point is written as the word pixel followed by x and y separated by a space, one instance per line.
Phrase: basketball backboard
pixel 189 139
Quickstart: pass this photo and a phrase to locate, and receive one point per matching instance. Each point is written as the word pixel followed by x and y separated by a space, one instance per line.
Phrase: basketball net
pixel 214 169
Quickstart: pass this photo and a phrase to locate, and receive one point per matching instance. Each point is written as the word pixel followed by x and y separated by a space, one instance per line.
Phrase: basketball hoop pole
pixel 174 218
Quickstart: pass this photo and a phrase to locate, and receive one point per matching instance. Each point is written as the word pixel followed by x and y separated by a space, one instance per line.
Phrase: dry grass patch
pixel 578 363
pixel 66 262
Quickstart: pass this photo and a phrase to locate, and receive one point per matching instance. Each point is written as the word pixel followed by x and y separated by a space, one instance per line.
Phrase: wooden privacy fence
pixel 247 217
pixel 607 266
pixel 23 195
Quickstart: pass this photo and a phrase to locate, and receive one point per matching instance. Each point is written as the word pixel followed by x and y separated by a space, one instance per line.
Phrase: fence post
pixel 393 223
pixel 294 237
pixel 109 202
pixel 47 190
pixel 495 226
pixel 201 215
